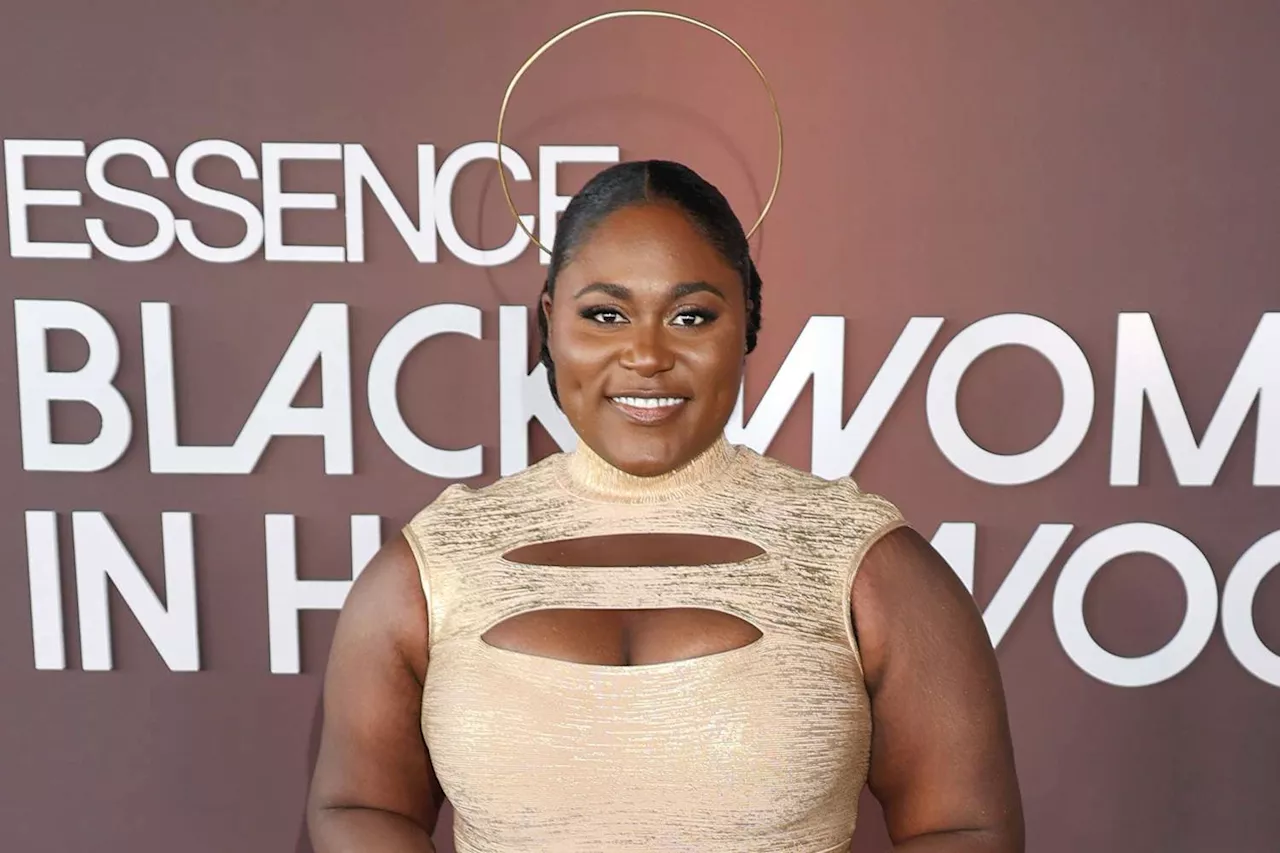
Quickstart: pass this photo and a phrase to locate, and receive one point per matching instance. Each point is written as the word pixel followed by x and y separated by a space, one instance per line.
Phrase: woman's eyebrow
pixel 689 287
pixel 617 291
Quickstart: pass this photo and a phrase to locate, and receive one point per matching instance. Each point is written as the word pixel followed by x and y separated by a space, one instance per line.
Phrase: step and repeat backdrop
pixel 263 300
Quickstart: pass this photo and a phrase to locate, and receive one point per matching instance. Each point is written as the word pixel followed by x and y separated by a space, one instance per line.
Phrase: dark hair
pixel 648 181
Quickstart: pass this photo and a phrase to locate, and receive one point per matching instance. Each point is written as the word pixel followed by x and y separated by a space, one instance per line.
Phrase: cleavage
pixel 616 636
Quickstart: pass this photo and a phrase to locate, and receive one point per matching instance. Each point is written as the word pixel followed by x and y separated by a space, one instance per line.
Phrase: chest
pixel 622 637
pixel 616 636
pixel 762 749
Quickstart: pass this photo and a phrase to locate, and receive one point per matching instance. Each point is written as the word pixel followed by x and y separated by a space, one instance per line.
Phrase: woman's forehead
pixel 654 243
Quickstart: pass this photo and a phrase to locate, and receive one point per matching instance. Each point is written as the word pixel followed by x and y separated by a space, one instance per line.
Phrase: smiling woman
pixel 663 304
pixel 660 641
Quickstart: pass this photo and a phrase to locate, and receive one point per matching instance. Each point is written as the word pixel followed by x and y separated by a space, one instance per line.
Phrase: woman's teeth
pixel 648 402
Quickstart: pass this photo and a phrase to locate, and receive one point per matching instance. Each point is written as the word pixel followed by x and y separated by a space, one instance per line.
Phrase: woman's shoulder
pixel 459 501
pixel 782 484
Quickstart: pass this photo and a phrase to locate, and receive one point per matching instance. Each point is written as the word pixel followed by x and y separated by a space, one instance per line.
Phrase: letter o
pixel 1197 623
pixel 1237 609
pixel 1066 357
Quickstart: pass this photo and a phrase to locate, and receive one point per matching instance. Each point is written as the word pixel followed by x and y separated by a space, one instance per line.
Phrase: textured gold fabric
pixel 761 748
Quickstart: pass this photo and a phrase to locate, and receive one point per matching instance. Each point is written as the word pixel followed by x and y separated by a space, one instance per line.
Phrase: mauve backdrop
pixel 959 160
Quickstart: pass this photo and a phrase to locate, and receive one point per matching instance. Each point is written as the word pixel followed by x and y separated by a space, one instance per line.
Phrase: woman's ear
pixel 545 303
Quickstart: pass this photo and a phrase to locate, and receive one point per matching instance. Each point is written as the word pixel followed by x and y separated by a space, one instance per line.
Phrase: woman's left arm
pixel 941 756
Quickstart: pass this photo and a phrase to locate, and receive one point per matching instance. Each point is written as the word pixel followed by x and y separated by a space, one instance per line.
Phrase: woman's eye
pixel 692 318
pixel 607 316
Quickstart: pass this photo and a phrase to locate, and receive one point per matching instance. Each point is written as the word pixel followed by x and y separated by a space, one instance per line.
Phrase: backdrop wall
pixel 267 302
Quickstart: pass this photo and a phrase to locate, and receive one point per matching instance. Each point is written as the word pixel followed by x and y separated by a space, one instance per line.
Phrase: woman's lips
pixel 648 410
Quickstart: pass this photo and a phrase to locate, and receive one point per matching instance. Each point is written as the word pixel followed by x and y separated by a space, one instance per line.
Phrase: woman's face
pixel 648 333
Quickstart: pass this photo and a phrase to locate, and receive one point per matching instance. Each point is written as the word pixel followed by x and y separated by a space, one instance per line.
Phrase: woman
pixel 659 641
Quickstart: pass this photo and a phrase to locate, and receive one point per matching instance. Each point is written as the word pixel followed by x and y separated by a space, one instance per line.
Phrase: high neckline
pixel 588 474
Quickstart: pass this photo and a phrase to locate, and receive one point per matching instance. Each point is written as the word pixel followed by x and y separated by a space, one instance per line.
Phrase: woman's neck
pixel 590 474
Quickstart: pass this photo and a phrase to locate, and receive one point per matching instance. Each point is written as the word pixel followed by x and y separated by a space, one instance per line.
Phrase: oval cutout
pixel 636 549
pixel 616 637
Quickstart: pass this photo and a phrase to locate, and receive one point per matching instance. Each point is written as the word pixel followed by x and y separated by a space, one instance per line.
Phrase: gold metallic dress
pixel 761 748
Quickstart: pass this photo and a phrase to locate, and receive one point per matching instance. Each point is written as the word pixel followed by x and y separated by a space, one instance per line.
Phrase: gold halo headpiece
pixel 632 13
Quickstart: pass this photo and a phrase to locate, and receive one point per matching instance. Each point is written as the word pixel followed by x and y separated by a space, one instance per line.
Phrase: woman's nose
pixel 647 350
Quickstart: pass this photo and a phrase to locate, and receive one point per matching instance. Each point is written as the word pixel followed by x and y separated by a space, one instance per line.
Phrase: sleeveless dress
pixel 760 748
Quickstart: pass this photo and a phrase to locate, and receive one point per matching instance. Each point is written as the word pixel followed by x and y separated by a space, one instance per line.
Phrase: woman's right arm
pixel 373 787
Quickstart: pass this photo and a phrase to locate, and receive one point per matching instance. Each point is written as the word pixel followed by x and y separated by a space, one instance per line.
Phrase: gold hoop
pixel 632 13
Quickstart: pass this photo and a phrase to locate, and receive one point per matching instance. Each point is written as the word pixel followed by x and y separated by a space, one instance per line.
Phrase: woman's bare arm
pixel 373 787
pixel 941 757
